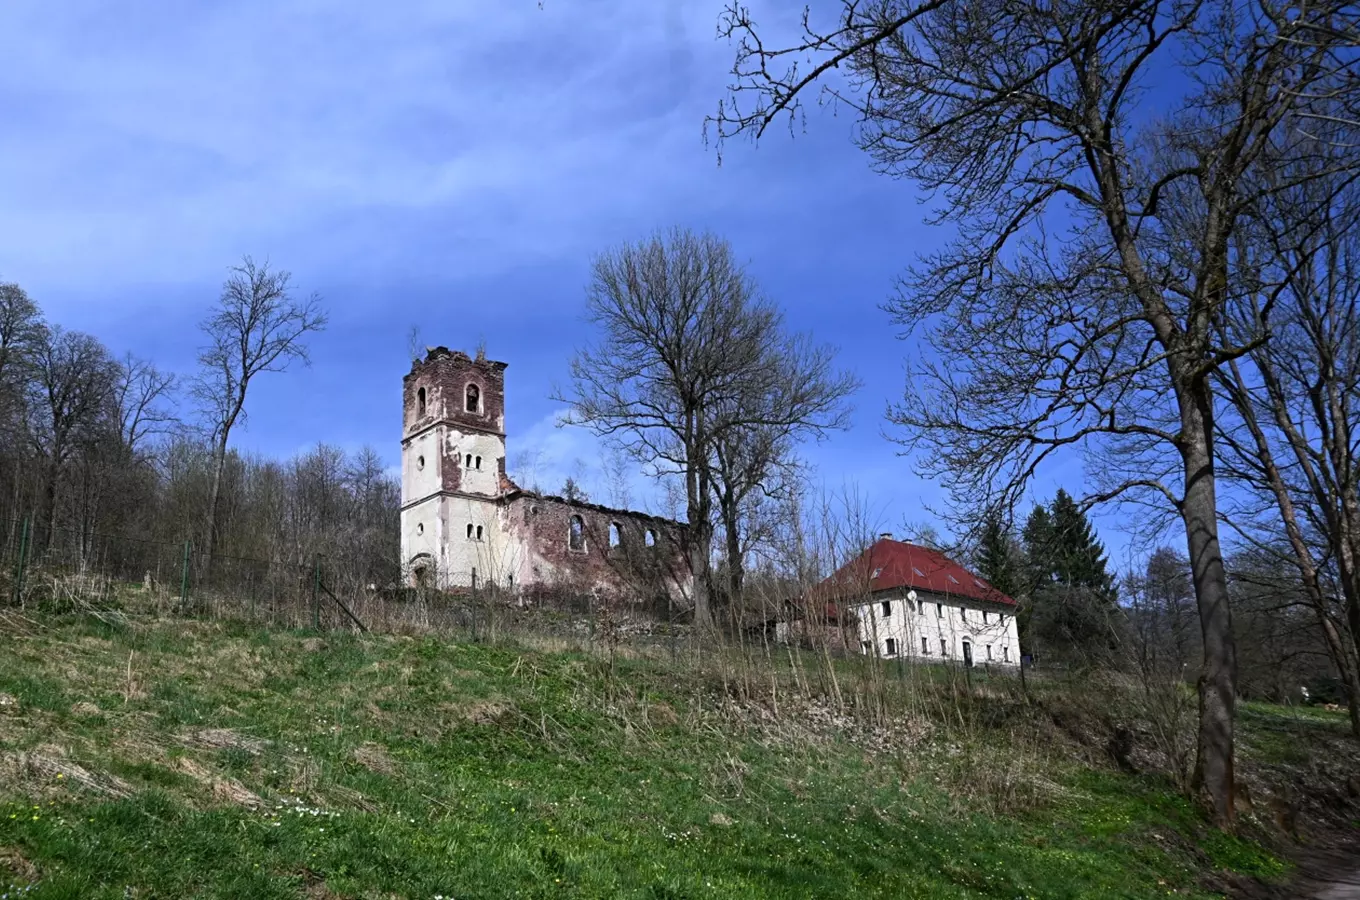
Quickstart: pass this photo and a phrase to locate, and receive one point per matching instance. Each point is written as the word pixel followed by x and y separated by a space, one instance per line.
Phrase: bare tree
pixel 1023 115
pixel 74 378
pixel 689 356
pixel 257 326
pixel 1294 435
pixel 141 395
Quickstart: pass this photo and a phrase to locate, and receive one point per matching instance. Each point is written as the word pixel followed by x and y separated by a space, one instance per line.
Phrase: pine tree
pixel 1078 556
pixel 999 559
pixel 1072 599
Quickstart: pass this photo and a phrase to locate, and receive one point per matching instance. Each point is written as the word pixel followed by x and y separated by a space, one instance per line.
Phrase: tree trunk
pixel 50 500
pixel 219 463
pixel 1218 678
pixel 736 570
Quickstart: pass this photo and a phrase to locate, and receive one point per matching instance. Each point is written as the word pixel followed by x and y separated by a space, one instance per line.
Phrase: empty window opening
pixel 474 578
pixel 473 398
pixel 420 462
pixel 1005 654
pixel 420 402
pixel 887 608
pixel 615 534
pixel 576 534
pixel 509 580
pixel 479 532
pixel 963 614
pixel 469 531
pixel 866 645
pixel 944 647
pixel 477 463
pixel 989 653
pixel 420 528
pixel 939 610
pixel 925 646
pixel 890 645
pixel 650 538
pixel 984 617
pixel 467 461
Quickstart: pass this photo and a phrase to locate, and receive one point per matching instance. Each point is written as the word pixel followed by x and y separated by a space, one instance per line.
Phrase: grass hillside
pixel 204 760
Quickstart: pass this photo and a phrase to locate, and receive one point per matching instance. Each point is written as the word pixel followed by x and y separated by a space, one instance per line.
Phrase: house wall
pixel 936 618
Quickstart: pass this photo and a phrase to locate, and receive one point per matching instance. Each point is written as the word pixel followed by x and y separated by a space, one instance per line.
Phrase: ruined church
pixel 465 524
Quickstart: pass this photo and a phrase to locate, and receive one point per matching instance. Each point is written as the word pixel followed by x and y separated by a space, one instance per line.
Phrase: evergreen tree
pixel 999 558
pixel 1078 556
pixel 1071 606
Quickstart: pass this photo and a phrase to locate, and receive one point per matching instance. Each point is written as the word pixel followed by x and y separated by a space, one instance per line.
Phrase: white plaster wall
pixel 421 529
pixel 496 557
pixel 935 620
pixel 418 483
pixel 490 447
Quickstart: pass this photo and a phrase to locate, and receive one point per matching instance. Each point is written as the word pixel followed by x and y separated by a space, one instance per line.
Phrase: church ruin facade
pixel 465 524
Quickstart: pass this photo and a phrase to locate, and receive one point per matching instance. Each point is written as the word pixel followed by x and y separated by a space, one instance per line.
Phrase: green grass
pixel 233 762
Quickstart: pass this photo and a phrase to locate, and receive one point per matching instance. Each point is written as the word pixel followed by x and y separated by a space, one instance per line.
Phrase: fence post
pixel 19 564
pixel 184 577
pixel 316 593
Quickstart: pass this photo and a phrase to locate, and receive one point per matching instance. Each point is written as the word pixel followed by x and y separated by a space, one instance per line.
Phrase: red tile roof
pixel 889 565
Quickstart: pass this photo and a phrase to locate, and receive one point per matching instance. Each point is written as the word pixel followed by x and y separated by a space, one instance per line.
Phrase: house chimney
pixel 885 536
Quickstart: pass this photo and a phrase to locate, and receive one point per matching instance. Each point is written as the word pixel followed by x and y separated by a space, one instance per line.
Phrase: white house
pixel 913 602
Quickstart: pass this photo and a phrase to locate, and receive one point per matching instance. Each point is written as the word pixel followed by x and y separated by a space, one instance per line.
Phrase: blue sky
pixel 451 166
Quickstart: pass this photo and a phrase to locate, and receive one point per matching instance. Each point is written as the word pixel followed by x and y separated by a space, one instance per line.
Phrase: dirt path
pixel 1332 874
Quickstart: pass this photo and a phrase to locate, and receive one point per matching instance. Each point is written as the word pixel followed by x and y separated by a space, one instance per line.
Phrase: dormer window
pixel 473 399
pixel 420 402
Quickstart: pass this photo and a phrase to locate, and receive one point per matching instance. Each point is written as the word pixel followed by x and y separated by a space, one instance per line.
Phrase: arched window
pixel 650 539
pixel 576 534
pixel 477 463
pixel 469 531
pixel 473 399
pixel 420 402
pixel 467 461
pixel 479 532
pixel 615 534
pixel 420 462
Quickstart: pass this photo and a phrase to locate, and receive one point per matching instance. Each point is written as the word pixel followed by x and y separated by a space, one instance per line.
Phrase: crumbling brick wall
pixel 631 572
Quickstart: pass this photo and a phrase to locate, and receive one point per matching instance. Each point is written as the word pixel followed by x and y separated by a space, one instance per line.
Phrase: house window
pixel 925 646
pixel 467 461
pixel 576 534
pixel 509 580
pixel 989 653
pixel 469 531
pixel 477 463
pixel 984 617
pixel 474 577
pixel 420 529
pixel 1006 654
pixel 939 610
pixel 963 614
pixel 650 538
pixel 944 647
pixel 420 402
pixel 420 462
pixel 890 646
pixel 887 608
pixel 473 398
pixel 615 534
pixel 479 532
